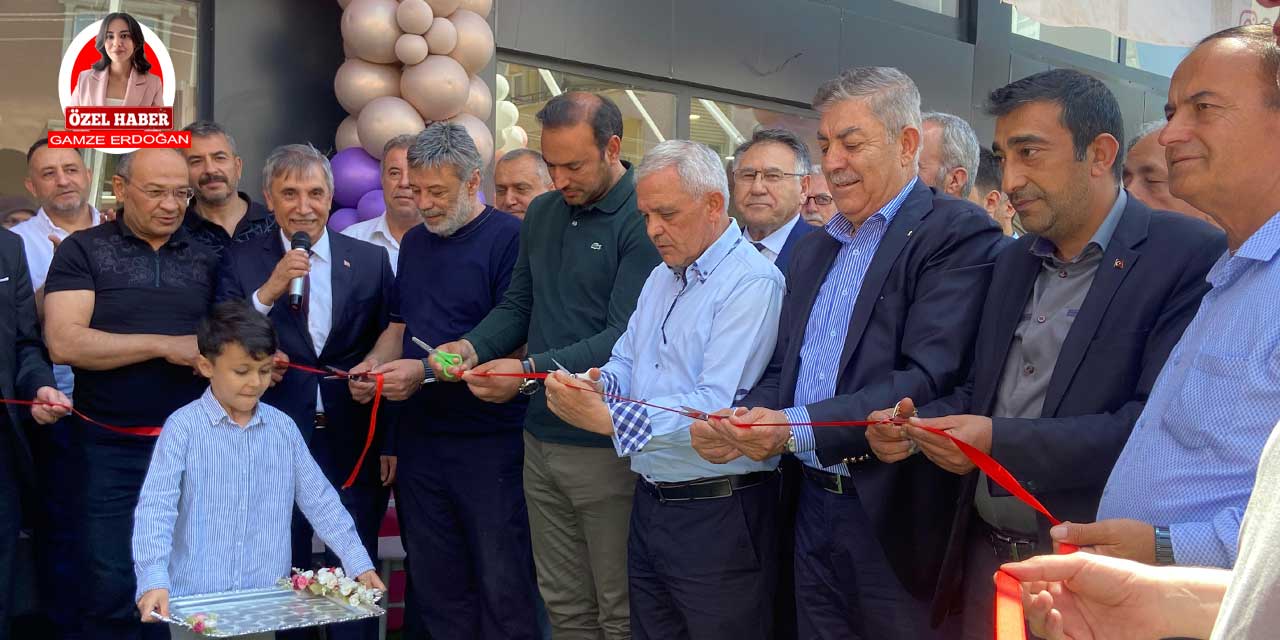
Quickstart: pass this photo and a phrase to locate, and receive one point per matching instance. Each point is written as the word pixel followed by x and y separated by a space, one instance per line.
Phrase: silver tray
pixel 263 610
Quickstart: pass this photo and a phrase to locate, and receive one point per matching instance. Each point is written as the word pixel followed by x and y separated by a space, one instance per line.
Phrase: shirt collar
pixel 619 194
pixel 775 241
pixel 1044 248
pixel 380 228
pixel 841 229
pixel 253 213
pixel 95 217
pixel 706 264
pixel 318 250
pixel 217 414
pixel 1264 243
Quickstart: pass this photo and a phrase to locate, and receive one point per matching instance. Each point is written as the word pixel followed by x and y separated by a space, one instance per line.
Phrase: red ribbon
pixel 149 432
pixel 1009 624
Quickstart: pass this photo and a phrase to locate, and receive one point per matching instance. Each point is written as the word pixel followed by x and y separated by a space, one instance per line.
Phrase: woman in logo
pixel 120 78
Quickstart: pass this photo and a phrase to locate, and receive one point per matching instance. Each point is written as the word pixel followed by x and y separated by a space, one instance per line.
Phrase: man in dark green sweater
pixel 584 257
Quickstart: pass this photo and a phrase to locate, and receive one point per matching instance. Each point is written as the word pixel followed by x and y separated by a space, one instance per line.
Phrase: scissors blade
pixel 690 412
pixel 425 347
pixel 559 366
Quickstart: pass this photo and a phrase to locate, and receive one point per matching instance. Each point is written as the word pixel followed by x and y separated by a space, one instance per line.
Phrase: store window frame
pixel 1059 56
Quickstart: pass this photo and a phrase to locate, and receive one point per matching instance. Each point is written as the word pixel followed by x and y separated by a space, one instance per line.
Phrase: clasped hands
pixel 729 434
pixel 893 442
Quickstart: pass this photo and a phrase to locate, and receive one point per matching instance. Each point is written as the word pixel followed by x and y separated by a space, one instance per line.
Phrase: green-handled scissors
pixel 442 358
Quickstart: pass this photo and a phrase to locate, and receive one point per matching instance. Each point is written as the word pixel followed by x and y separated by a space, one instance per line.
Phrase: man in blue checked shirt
pixel 702 560
pixel 217 505
pixel 1179 488
pixel 887 299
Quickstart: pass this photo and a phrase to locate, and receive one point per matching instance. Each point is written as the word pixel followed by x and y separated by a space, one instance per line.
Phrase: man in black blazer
pixel 886 299
pixel 345 307
pixel 1081 315
pixel 25 374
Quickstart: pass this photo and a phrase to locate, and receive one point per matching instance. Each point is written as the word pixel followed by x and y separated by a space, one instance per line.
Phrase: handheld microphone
pixel 300 240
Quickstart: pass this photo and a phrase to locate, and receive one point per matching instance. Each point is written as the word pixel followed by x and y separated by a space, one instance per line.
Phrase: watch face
pixel 529 387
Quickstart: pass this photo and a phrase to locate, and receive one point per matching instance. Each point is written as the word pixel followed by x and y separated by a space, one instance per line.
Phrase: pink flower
pixel 198 627
pixel 299 582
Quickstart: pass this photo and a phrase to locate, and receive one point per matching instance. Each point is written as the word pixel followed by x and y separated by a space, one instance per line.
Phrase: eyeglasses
pixel 770 177
pixel 821 200
pixel 182 195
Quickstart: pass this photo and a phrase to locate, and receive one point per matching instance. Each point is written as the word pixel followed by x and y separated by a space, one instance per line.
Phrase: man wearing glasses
pixel 819 206
pixel 770 180
pixel 122 301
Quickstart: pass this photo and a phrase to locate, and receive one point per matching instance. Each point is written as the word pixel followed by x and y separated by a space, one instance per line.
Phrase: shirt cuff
pixel 156 577
pixel 1198 544
pixel 361 564
pixel 262 308
pixel 803 433
pixel 631 427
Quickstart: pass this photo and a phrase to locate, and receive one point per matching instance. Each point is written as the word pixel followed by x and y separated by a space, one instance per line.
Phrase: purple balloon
pixel 343 218
pixel 355 173
pixel 370 205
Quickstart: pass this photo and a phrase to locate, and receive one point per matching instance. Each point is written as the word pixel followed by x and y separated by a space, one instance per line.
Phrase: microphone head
pixel 300 240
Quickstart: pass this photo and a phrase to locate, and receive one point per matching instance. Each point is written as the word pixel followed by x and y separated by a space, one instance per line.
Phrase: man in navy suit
pixel 345 306
pixel 770 180
pixel 1081 315
pixel 886 299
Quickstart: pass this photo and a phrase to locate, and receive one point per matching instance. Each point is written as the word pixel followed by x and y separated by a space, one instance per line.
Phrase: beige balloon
pixel 444 7
pixel 479 99
pixel 370 26
pixel 475 40
pixel 507 115
pixel 347 51
pixel 359 81
pixel 437 87
pixel 384 119
pixel 479 133
pixel 414 16
pixel 347 135
pixel 518 135
pixel 479 7
pixel 411 48
pixel 442 37
pixel 501 87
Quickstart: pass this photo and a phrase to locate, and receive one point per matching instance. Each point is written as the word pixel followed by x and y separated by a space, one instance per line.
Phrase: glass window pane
pixel 1094 42
pixel 1153 57
pixel 945 7
pixel 648 117
pixel 723 125
pixel 37 32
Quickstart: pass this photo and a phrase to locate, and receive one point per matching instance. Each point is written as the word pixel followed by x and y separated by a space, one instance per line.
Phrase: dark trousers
pixel 58 509
pixel 703 569
pixel 465 528
pixel 784 600
pixel 10 522
pixel 845 587
pixel 366 501
pixel 114 468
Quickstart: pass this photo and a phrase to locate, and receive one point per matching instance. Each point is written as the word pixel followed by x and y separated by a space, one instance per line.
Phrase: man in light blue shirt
pixel 1179 488
pixel 702 549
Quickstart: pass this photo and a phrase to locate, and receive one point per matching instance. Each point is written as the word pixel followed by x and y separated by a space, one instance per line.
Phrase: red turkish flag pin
pixel 1119 264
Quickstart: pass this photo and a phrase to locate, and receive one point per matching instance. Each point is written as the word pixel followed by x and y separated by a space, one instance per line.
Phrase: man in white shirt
pixel 770 180
pixel 401 212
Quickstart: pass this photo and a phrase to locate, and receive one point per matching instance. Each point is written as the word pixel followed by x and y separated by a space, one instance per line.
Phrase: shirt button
pixel 1029 369
pixel 845 292
pixel 657 366
pixel 1040 319
pixel 1062 274
pixel 856 252
pixel 822 376
pixel 833 334
pixel 574 223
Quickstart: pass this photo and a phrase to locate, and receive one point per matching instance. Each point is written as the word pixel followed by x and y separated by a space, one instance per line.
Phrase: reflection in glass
pixel 1094 42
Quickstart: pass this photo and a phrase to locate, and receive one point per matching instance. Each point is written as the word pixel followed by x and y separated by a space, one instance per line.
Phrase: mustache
pixel 210 178
pixel 844 178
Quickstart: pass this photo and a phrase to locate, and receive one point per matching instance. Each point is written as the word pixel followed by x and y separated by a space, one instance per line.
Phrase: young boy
pixel 216 507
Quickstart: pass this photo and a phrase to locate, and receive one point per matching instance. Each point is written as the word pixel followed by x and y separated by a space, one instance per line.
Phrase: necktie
pixel 759 246
pixel 306 295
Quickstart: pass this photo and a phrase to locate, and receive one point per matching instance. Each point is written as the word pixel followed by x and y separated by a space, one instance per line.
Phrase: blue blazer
pixel 911 334
pixel 362 282
pixel 800 230
pixel 1147 289
pixel 24 363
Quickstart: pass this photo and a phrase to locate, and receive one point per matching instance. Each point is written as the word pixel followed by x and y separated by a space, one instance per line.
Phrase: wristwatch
pixel 791 443
pixel 427 374
pixel 529 386
pixel 1164 546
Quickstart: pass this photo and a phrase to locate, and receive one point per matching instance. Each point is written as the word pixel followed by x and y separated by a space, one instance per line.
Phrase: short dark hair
pixel 1261 40
pixel 139 59
pixel 1089 109
pixel 804 165
pixel 569 109
pixel 208 128
pixel 235 322
pixel 35 146
pixel 989 176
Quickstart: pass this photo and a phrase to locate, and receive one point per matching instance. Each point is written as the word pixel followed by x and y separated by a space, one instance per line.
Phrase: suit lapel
pixel 339 279
pixel 1023 270
pixel 1117 262
pixel 917 205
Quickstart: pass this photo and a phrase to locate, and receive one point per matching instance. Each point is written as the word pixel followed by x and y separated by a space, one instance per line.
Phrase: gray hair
pixel 295 159
pixel 699 168
pixel 446 144
pixel 539 163
pixel 891 95
pixel 1145 130
pixel 804 165
pixel 206 128
pixel 402 141
pixel 124 162
pixel 959 146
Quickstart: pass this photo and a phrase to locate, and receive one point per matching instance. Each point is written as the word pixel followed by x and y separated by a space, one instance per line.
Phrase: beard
pixel 454 217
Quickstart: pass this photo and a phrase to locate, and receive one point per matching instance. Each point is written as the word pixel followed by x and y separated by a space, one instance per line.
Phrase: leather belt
pixel 832 482
pixel 321 421
pixel 705 488
pixel 1009 546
